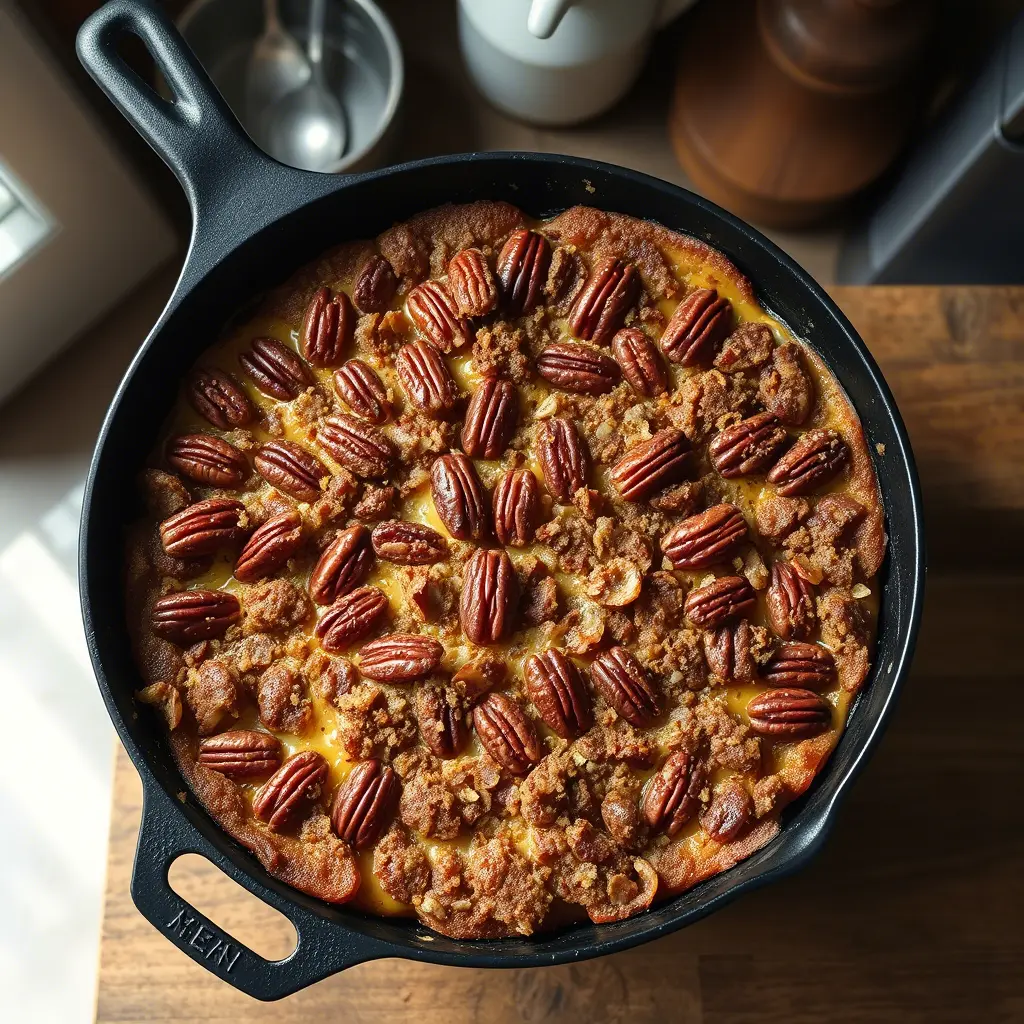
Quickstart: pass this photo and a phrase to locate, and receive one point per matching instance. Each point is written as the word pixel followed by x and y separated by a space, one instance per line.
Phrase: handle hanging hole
pixel 132 49
pixel 243 917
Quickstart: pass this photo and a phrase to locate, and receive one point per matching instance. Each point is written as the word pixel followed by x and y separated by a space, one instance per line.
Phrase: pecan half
pixel 801 666
pixel 730 809
pixel 651 465
pixel 351 618
pixel 435 313
pixel 706 538
pixel 789 602
pixel 240 753
pixel 785 388
pixel 426 378
pixel 728 653
pixel 672 796
pixel 208 460
pixel 327 328
pixel 270 547
pixel 192 615
pixel 747 447
pixel 624 684
pixel 523 270
pixel 556 687
pixel 640 362
pixel 360 387
pixel 506 733
pixel 789 713
pixel 441 720
pixel 290 468
pixel 365 803
pixel 375 286
pixel 472 283
pixel 562 457
pixel 577 368
pixel 490 589
pixel 275 369
pixel 215 396
pixel 516 504
pixel 400 657
pixel 459 497
pixel 203 528
pixel 815 458
pixel 749 346
pixel 343 566
pixel 490 419
pixel 408 543
pixel 602 305
pixel 728 597
pixel 698 324
pixel 357 446
pixel 298 781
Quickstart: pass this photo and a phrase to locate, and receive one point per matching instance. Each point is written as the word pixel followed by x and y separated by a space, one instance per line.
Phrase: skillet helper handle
pixel 164 836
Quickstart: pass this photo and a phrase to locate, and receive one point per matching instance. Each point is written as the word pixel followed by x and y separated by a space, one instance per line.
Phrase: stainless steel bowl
pixel 362 63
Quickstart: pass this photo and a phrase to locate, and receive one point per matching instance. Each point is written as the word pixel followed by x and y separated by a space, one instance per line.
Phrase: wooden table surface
pixel 912 911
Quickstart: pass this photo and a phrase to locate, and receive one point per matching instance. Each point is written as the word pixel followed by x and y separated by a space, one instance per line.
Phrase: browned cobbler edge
pixel 611 708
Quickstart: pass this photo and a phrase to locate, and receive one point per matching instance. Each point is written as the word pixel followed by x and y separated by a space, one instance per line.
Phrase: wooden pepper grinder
pixel 783 109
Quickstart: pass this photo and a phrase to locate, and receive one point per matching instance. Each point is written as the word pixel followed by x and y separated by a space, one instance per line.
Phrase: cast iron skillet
pixel 255 222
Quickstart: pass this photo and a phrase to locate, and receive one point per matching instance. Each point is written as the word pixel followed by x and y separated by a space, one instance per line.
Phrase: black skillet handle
pixel 233 188
pixel 322 950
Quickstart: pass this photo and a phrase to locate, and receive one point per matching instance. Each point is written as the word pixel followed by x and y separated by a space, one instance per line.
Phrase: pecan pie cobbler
pixel 497 572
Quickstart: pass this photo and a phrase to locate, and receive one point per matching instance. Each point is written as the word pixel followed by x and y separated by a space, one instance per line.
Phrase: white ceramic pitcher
pixel 558 62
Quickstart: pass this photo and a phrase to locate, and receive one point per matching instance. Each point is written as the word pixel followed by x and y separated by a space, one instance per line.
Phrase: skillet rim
pixel 665 917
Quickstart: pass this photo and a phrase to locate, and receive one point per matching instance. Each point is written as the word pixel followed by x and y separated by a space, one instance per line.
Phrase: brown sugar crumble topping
pixel 498 572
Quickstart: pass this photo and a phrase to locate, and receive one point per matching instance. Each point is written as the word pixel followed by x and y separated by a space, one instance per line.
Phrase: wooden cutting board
pixel 912 911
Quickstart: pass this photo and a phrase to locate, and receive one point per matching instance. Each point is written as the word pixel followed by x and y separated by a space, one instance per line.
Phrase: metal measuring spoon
pixel 306 127
pixel 276 67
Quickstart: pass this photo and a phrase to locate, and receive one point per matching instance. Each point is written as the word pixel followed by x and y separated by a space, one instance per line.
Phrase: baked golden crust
pixel 612 708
